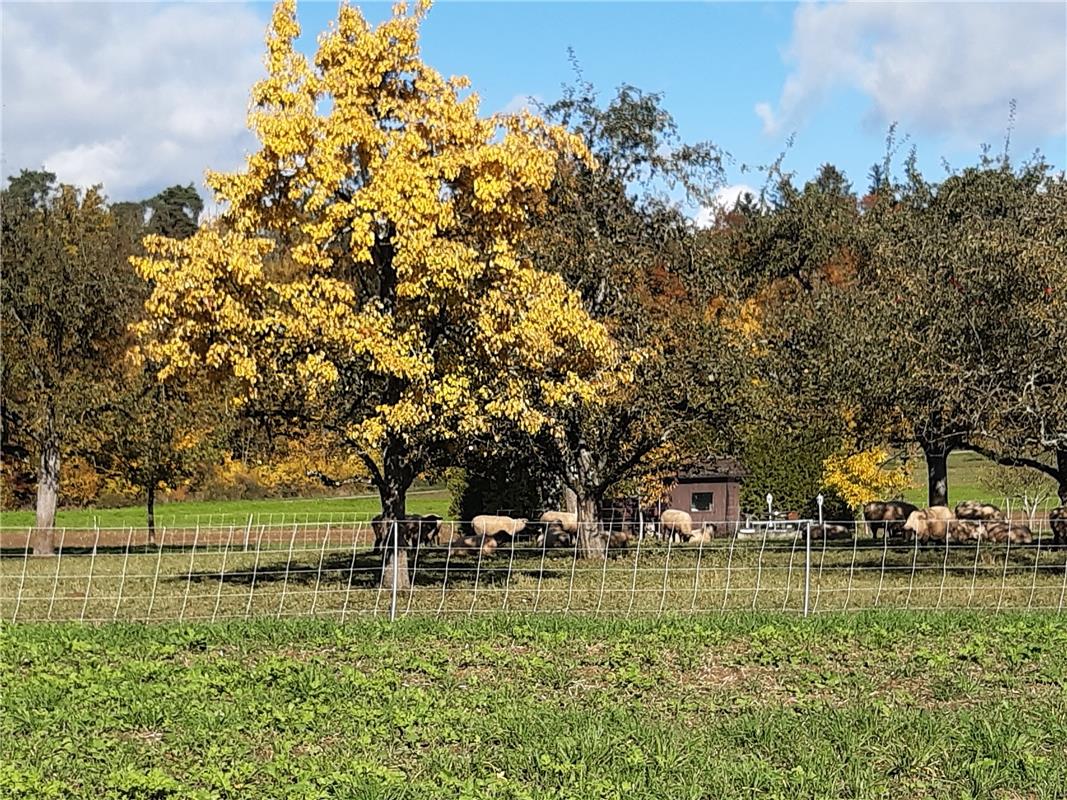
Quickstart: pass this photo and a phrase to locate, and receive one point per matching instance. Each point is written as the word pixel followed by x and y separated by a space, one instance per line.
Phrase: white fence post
pixel 807 555
pixel 396 569
pixel 807 568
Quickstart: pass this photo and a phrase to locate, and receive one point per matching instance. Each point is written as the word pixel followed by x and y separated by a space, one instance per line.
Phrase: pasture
pixel 877 704
pixel 968 478
pixel 329 571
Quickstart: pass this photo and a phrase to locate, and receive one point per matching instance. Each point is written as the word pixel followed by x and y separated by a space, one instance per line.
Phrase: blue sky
pixel 154 94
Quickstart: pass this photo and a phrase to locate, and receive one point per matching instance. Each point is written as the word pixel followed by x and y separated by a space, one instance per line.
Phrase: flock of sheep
pixel 970 521
pixel 553 529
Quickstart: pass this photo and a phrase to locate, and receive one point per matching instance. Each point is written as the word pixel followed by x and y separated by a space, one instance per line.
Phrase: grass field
pixel 739 706
pixel 965 473
pixel 226 512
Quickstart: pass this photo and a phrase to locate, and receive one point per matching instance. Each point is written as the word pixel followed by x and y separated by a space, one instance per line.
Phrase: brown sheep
pixel 417 529
pixel 472 545
pixel 970 530
pixel 831 531
pixel 887 516
pixel 488 534
pixel 973 509
pixel 1057 520
pixel 1002 531
pixel 554 537
pixel 427 528
pixel 930 524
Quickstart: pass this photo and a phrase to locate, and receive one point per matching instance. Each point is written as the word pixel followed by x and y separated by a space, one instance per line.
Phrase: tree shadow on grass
pixel 957 559
pixel 140 549
pixel 362 569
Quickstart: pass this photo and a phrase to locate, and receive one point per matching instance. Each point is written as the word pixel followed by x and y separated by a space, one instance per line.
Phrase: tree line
pixel 515 301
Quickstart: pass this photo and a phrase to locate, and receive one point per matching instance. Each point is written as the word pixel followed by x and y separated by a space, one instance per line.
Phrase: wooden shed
pixel 710 491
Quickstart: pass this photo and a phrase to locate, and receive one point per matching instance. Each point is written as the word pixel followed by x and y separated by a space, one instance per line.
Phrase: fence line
pixel 246 571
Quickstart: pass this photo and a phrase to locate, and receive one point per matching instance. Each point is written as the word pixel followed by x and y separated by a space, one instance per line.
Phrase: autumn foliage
pixel 859 478
pixel 375 243
pixel 368 261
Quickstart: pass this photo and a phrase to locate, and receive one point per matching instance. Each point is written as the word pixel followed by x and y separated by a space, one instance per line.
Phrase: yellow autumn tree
pixel 862 477
pixel 367 260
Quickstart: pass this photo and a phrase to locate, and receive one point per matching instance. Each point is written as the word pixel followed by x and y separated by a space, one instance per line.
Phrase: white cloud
pixel 724 200
pixel 135 96
pixel 87 164
pixel 943 68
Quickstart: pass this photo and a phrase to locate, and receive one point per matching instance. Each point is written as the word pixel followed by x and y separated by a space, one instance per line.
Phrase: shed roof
pixel 715 467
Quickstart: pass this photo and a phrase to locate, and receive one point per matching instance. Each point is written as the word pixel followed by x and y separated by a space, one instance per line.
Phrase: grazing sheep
pixel 704 534
pixel 973 509
pixel 488 533
pixel 1020 533
pixel 888 516
pixel 1057 519
pixel 566 521
pixel 381 530
pixel 557 529
pixel 497 526
pixel 676 525
pixel 930 524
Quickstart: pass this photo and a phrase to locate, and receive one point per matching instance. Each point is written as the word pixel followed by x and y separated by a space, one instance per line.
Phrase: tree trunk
pixel 937 474
pixel 151 504
pixel 570 500
pixel 47 499
pixel 1061 474
pixel 393 493
pixel 592 543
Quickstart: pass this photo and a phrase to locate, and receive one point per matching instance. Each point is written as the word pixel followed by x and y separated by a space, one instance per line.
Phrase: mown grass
pixel 966 471
pixel 274 511
pixel 878 704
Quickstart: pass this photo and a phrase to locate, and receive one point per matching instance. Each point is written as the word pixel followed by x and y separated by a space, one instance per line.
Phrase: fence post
pixel 248 531
pixel 396 569
pixel 807 556
pixel 807 567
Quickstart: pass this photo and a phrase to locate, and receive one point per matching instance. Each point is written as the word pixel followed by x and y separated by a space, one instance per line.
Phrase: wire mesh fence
pixel 331 570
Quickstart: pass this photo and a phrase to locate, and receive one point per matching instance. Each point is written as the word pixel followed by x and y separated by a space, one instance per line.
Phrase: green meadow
pixel 869 705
